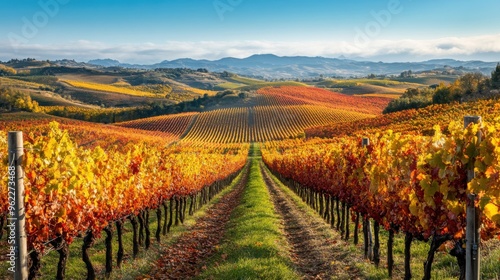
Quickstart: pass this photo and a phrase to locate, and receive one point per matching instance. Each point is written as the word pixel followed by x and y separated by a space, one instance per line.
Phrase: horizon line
pixel 341 57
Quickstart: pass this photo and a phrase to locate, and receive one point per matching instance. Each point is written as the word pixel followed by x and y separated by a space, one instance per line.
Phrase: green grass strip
pixel 254 246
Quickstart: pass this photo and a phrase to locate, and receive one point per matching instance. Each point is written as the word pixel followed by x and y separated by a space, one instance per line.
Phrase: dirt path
pixel 315 254
pixel 184 259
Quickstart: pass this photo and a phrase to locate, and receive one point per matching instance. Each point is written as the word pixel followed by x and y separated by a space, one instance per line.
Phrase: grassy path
pixel 254 246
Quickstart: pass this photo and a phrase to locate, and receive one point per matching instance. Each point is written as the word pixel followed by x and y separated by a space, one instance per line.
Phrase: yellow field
pixel 199 91
pixel 387 95
pixel 121 83
pixel 18 83
pixel 98 79
pixel 230 85
pixel 111 88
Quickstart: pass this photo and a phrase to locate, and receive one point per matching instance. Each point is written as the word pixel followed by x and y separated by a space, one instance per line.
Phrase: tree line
pixel 468 87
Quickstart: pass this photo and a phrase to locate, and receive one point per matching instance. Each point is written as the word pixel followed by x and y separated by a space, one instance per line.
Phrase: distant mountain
pixel 73 63
pixel 270 66
pixel 105 62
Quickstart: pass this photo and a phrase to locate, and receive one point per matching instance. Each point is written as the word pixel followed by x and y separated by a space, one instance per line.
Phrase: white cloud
pixel 486 46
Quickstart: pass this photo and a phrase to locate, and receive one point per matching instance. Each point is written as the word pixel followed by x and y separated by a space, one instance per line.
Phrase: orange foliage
pixel 73 188
pixel 173 124
pixel 263 123
pixel 309 95
pixel 419 121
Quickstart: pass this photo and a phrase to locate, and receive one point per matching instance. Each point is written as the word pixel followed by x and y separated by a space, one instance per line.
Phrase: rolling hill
pixel 274 113
pixel 86 134
pixel 421 121
pixel 174 124
pixel 270 66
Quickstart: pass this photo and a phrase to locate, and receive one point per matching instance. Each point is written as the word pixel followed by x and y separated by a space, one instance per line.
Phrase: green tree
pixel 471 83
pixel 413 98
pixel 495 78
pixel 443 95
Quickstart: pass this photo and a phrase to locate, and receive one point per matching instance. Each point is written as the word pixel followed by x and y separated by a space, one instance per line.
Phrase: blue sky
pixel 151 31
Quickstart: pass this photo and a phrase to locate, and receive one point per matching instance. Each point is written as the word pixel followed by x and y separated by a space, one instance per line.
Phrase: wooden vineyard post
pixel 367 228
pixel 365 142
pixel 472 266
pixel 18 256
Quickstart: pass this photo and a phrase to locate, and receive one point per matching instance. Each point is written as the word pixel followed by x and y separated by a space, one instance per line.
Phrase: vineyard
pixel 221 126
pixel 408 183
pixel 322 97
pixel 409 173
pixel 281 122
pixel 174 124
pixel 87 134
pixel 271 116
pixel 420 121
pixel 72 190
pixel 262 123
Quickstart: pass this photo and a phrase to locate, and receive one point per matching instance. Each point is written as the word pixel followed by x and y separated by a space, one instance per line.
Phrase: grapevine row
pixel 323 97
pixel 90 134
pixel 72 190
pixel 221 126
pixel 419 121
pixel 409 183
pixel 282 122
pixel 263 123
pixel 174 124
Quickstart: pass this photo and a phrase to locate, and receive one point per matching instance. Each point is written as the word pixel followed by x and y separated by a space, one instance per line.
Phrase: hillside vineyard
pixel 278 113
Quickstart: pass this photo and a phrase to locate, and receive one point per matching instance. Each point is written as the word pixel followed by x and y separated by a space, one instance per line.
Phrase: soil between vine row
pixel 314 253
pixel 186 257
